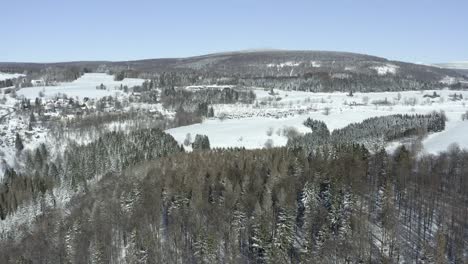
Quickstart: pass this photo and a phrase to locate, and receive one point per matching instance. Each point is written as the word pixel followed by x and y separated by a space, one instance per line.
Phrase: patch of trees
pixel 185 118
pixel 53 74
pixel 111 152
pixel 199 100
pixel 328 82
pixel 341 205
pixel 201 142
pixel 17 188
pixel 6 83
pixel 375 130
pixel 61 74
pixel 146 86
pixel 459 86
pixel 315 79
pixel 391 127
pixel 115 151
pixel 99 121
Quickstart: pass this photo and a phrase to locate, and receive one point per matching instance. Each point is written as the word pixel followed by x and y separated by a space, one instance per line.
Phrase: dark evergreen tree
pixel 19 143
pixel 201 142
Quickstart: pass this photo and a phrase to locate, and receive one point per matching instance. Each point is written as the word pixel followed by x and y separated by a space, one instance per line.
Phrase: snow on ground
pixel 10 124
pixel 85 86
pixel 315 64
pixel 456 132
pixel 448 80
pixel 386 69
pixel 203 87
pixel 252 132
pixel 5 76
pixel 247 125
pixel 284 64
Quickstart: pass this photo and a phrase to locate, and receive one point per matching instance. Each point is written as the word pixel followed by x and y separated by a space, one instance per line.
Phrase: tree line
pixel 375 131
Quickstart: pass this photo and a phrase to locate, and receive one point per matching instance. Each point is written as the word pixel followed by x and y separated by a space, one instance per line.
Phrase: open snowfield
pixel 85 86
pixel 5 76
pixel 456 132
pixel 247 125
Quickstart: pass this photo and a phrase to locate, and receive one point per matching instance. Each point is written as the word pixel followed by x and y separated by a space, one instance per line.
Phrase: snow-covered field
pixel 5 76
pixel 85 86
pixel 456 132
pixel 247 125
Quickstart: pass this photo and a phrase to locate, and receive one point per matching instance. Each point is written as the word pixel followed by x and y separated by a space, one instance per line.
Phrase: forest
pixel 373 132
pixel 110 186
pixel 154 203
pixel 110 153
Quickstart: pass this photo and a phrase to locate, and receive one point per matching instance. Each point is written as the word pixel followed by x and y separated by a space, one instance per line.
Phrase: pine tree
pixel 283 236
pixel 19 143
pixel 259 236
pixel 204 248
pixel 32 118
pixel 309 201
pixel 441 246
pixel 135 252
pixel 96 251
pixel 201 142
pixel 210 112
pixel 70 241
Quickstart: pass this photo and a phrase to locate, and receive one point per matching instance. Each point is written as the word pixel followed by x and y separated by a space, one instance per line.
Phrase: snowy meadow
pixel 251 126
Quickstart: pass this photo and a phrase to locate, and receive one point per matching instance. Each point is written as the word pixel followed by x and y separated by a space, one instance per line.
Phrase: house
pixel 38 82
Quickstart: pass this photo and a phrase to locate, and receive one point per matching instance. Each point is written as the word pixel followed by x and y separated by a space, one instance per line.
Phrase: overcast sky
pixel 58 30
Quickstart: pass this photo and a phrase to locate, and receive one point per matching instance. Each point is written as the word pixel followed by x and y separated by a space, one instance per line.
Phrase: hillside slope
pixel 297 70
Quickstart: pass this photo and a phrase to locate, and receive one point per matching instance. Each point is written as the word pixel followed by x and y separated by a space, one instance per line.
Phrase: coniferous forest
pixel 333 203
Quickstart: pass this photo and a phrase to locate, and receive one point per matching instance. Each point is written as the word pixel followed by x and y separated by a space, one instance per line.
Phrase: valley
pixel 307 159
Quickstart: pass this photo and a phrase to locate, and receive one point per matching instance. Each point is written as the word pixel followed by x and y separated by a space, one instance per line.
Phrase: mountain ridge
pixel 291 69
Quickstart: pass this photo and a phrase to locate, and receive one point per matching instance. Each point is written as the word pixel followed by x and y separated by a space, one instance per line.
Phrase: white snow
pixel 252 132
pixel 448 80
pixel 85 86
pixel 284 64
pixel 5 76
pixel 247 125
pixel 455 132
pixel 386 69
pixel 315 64
pixel 203 87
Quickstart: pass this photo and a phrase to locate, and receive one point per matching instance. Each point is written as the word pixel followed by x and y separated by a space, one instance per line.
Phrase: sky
pixel 424 31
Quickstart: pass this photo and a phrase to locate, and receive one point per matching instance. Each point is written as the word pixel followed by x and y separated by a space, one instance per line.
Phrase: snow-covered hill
pixel 85 86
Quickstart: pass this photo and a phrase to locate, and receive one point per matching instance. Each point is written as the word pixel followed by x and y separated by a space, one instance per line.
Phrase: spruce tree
pixel 19 143
pixel 201 142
